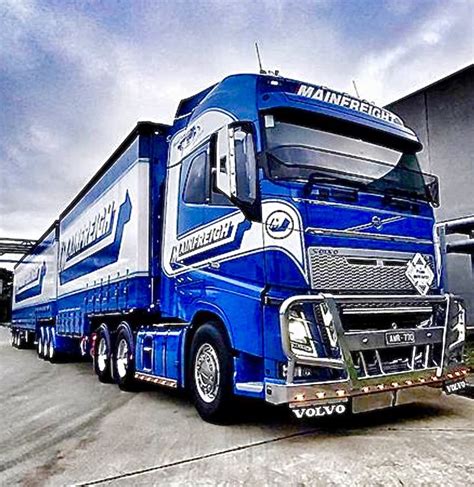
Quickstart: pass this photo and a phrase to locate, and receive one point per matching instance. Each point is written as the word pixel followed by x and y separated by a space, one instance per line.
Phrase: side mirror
pixel 224 166
pixel 235 165
pixel 432 189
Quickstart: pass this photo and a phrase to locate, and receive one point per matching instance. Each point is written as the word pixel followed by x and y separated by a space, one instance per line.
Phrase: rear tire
pixel 210 375
pixel 124 359
pixel 20 342
pixel 103 355
pixel 40 346
pixel 51 353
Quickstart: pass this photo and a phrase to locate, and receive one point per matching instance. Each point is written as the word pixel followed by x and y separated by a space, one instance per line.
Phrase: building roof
pixel 449 77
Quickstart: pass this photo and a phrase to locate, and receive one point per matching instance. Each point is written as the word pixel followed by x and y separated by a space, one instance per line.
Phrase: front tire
pixel 210 375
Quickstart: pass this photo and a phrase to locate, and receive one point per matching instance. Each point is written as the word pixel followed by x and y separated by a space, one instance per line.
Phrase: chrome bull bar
pixel 386 386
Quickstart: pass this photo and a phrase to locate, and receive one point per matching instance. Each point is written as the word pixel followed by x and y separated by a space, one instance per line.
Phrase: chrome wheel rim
pixel 122 358
pixel 207 373
pixel 102 354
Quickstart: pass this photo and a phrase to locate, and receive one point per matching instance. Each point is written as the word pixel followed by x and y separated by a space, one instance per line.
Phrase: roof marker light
pixel 340 392
pixel 320 395
pixel 299 397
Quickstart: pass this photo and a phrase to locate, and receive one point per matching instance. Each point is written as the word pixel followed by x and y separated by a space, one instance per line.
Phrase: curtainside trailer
pixel 275 242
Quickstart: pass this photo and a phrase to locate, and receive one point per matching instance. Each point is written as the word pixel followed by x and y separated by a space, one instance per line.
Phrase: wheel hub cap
pixel 122 358
pixel 207 373
pixel 102 354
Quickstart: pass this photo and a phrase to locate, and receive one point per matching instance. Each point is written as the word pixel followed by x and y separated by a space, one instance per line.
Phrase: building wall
pixel 442 115
pixel 6 281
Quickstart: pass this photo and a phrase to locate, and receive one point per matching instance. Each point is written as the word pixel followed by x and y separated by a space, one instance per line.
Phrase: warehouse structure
pixel 442 114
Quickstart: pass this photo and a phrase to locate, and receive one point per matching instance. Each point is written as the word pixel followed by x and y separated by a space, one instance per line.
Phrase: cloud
pixel 437 44
pixel 75 77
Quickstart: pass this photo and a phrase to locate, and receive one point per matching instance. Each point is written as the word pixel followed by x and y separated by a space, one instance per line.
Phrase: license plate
pixel 399 338
pixel 452 387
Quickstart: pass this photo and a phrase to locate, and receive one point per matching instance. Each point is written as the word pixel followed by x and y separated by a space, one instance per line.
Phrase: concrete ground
pixel 60 426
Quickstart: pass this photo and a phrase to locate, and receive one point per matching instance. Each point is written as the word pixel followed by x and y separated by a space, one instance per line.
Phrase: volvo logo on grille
pixel 377 222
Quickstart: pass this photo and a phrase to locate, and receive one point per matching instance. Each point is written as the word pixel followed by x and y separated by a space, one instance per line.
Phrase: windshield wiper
pixel 321 177
pixel 403 193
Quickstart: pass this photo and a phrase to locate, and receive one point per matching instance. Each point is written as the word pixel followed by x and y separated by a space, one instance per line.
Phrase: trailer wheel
pixel 20 342
pixel 124 359
pixel 13 338
pixel 51 351
pixel 211 374
pixel 103 354
pixel 40 348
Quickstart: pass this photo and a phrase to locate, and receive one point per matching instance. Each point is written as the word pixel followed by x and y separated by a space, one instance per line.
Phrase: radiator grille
pixel 360 270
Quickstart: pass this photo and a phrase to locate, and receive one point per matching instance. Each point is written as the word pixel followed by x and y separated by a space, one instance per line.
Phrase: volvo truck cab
pixel 301 218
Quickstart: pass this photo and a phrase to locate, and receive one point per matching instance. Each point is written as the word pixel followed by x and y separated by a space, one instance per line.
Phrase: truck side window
pixel 197 182
pixel 218 199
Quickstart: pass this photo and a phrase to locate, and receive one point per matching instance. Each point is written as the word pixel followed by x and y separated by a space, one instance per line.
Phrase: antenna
pixel 262 71
pixel 355 88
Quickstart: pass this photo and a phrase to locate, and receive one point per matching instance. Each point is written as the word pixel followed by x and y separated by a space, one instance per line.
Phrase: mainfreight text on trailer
pixel 275 242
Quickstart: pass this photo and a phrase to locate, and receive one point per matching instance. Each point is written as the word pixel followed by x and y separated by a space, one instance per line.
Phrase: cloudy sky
pixel 75 76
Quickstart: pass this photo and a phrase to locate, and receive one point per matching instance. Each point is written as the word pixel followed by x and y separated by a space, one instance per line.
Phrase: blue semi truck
pixel 275 242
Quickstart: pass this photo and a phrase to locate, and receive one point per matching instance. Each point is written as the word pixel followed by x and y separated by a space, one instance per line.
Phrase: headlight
pixel 301 340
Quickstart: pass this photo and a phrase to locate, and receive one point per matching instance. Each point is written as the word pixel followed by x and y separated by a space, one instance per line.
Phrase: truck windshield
pixel 300 153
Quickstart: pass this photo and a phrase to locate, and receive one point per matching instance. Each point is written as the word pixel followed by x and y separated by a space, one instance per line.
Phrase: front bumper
pixel 424 373
pixel 373 395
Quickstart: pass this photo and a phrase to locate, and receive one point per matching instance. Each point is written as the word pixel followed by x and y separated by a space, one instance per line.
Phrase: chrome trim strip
pixel 350 252
pixel 366 235
pixel 371 224
pixel 249 386
pixel 359 207
pixel 374 311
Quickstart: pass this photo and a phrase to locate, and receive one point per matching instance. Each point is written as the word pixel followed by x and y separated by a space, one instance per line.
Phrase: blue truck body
pixel 321 277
